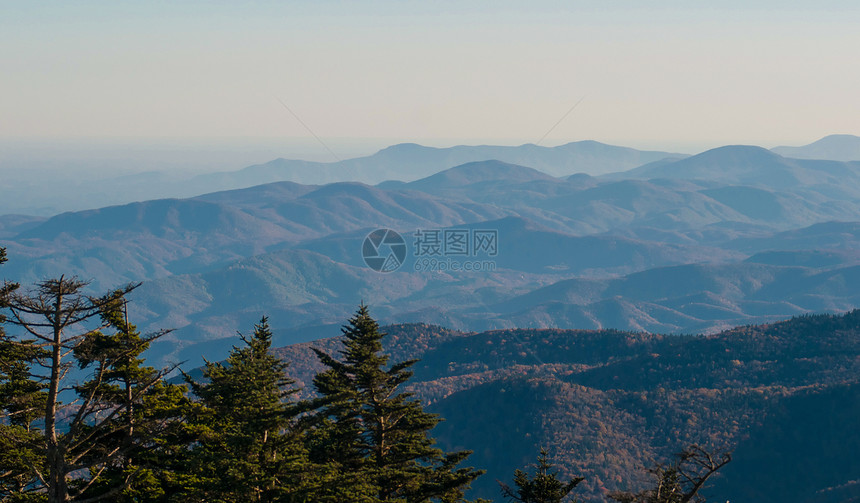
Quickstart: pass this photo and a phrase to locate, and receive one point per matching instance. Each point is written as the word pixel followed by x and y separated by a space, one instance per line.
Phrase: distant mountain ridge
pixel 570 336
pixel 751 165
pixel 835 147
pixel 575 251
pixel 409 161
pixel 406 162
pixel 480 172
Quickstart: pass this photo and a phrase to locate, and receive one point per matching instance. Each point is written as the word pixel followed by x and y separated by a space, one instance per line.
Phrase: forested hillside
pixel 346 418
pixel 608 404
pixel 732 236
pixel 570 337
pixel 429 252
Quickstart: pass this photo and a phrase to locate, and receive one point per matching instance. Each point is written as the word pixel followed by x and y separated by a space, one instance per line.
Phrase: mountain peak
pixel 834 147
pixel 745 165
pixel 748 151
pixel 839 138
pixel 404 148
pixel 340 189
pixel 481 171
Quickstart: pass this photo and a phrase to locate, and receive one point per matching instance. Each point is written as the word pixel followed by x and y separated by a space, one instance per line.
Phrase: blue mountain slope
pixel 409 161
pixel 477 172
pixel 836 147
pixel 749 165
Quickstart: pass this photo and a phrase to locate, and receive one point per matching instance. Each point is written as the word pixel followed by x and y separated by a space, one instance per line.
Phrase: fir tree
pixel 543 487
pixel 22 398
pixel 247 446
pixel 84 429
pixel 372 436
pixel 152 417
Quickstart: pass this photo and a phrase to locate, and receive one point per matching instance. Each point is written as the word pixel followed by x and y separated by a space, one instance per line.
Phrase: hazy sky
pixel 669 75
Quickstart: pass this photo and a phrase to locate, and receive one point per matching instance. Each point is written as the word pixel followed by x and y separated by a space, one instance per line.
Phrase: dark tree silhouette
pixel 543 487
pixel 682 481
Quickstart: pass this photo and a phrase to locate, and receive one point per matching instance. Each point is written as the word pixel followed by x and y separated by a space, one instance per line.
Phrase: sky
pixel 333 78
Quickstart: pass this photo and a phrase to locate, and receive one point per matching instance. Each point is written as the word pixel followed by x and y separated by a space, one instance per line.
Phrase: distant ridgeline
pixel 731 236
pixel 606 404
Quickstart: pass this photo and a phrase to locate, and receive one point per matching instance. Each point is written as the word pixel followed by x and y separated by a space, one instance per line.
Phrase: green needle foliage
pixel 247 447
pixel 543 487
pixel 150 410
pixel 22 399
pixel 373 437
pixel 77 402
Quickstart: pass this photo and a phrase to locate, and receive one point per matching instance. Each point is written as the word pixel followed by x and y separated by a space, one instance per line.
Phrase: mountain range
pixel 835 147
pixel 48 193
pixel 607 404
pixel 731 236
pixel 632 302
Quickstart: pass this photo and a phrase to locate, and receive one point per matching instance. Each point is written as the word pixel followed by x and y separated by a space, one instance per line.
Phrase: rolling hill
pixel 608 404
pixel 410 161
pixel 554 341
pixel 664 254
pixel 49 192
pixel 753 166
pixel 835 147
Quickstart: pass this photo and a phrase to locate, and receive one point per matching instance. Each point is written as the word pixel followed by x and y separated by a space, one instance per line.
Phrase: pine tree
pixel 21 399
pixel 543 487
pixel 372 436
pixel 152 418
pixel 247 445
pixel 85 427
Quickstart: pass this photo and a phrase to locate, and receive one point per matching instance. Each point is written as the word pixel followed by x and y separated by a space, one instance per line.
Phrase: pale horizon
pixel 103 156
pixel 674 76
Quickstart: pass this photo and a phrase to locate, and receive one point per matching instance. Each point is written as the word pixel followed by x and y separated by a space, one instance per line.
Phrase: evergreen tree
pixel 21 399
pixel 371 436
pixel 152 418
pixel 88 424
pixel 543 487
pixel 247 447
